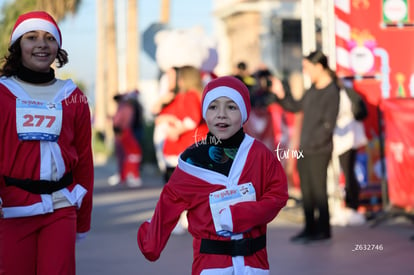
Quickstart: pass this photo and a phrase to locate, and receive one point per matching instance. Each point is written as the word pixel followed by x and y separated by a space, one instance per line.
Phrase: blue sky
pixel 79 33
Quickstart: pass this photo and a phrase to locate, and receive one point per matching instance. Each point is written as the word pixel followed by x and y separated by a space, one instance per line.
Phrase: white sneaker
pixel 114 180
pixel 354 218
pixel 133 182
pixel 338 219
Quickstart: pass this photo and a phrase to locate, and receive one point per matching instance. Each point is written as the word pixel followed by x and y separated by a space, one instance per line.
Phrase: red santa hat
pixel 230 87
pixel 35 20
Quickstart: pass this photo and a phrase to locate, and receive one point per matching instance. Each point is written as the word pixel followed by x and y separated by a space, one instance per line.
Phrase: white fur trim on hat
pixel 228 92
pixel 34 24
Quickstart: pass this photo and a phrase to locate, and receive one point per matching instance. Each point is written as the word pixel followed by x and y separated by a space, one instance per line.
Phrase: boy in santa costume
pixel 231 185
pixel 46 167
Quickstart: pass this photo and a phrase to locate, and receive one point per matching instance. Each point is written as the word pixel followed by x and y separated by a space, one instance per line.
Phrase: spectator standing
pixel 320 104
pixel 349 136
pixel 242 73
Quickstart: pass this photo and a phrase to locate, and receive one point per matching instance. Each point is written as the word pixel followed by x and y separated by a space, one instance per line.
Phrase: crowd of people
pixel 218 141
pixel 326 121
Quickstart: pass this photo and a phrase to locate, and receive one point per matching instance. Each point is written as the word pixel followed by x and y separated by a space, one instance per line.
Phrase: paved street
pixel 111 247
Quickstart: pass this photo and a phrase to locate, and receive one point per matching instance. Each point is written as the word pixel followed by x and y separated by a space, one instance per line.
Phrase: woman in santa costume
pixel 231 185
pixel 46 167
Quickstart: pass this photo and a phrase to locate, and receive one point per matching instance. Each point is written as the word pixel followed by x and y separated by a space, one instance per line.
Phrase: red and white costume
pixel 34 160
pixel 130 154
pixel 189 189
pixel 186 106
pixel 46 166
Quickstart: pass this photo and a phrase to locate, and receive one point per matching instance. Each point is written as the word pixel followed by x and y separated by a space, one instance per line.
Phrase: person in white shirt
pixel 349 136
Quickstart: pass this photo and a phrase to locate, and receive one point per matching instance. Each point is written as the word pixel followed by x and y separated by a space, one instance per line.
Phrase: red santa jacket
pixel 72 152
pixel 185 105
pixel 189 189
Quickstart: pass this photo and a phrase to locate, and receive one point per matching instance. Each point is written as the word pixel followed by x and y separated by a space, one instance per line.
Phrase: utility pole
pixel 133 48
pixel 100 84
pixel 328 31
pixel 308 31
pixel 112 68
pixel 308 26
pixel 112 56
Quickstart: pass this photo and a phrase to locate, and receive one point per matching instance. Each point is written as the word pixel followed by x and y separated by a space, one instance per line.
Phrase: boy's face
pixel 223 117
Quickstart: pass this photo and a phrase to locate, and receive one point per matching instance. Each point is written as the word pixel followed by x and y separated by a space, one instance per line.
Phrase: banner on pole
pixel 399 148
pixel 374 41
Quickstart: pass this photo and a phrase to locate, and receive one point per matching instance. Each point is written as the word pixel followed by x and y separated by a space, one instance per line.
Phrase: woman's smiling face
pixel 39 50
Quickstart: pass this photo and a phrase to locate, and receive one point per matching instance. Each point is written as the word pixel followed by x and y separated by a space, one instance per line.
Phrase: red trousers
pixel 129 155
pixel 39 245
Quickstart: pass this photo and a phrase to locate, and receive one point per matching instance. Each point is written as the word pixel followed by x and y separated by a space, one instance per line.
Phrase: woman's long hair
pixel 316 57
pixel 13 61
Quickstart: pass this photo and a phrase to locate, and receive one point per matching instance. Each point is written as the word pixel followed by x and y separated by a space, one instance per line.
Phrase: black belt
pixel 40 186
pixel 243 247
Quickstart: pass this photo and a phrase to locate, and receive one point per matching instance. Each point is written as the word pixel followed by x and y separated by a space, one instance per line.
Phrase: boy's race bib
pixel 226 197
pixel 38 120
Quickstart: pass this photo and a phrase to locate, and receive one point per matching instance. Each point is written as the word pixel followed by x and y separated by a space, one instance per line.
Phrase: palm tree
pixel 106 69
pixel 10 11
pixel 58 9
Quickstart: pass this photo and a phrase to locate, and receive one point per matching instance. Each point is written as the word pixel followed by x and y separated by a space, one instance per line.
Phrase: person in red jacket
pixel 127 125
pixel 46 165
pixel 182 117
pixel 231 185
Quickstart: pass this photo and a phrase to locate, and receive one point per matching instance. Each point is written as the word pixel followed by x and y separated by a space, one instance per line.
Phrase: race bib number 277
pixel 38 120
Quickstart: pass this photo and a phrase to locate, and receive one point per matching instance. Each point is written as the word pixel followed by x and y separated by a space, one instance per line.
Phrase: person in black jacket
pixel 319 104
